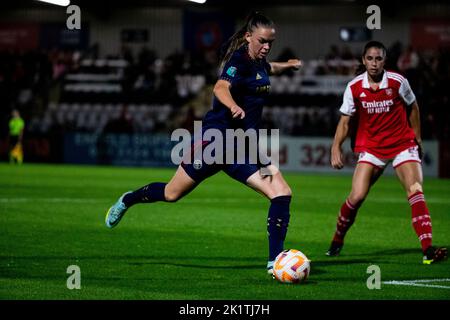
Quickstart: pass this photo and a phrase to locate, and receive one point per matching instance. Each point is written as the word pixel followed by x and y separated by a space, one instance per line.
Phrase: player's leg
pixel 277 190
pixel 13 141
pixel 364 176
pixel 180 184
pixel 272 185
pixel 19 153
pixel 410 176
pixel 186 178
pixel 12 155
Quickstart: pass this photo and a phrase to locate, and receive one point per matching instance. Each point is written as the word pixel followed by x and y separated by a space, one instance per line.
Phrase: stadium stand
pixel 84 94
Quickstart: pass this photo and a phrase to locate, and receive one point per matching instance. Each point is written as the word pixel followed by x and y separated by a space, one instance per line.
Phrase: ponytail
pixel 233 43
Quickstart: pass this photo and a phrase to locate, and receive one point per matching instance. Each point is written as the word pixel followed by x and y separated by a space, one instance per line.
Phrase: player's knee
pixel 282 191
pixel 172 196
pixel 414 188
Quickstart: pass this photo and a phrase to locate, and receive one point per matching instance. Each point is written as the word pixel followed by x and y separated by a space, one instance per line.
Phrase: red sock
pixel 421 219
pixel 345 220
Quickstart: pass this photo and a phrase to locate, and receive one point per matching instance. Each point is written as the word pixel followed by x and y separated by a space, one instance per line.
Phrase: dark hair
pixel 371 44
pixel 253 21
pixel 374 44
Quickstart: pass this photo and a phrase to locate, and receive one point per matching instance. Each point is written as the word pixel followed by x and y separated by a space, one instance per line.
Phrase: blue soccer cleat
pixel 116 212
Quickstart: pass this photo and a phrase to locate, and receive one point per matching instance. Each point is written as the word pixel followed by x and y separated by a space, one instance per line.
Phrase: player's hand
pixel 336 158
pixel 237 112
pixel 295 63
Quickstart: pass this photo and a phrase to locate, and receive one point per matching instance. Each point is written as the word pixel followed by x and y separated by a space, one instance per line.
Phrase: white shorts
pixel 408 155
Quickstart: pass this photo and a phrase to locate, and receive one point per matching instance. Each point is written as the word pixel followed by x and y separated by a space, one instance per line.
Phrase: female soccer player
pixel 379 102
pixel 239 96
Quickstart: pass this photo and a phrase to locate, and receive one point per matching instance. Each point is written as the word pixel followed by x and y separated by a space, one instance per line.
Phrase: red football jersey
pixel 382 121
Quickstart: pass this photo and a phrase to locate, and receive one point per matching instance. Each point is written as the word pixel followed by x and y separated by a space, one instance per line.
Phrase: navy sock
pixel 277 224
pixel 147 194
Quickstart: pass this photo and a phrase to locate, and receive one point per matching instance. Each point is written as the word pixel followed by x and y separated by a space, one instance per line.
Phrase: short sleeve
pixel 233 70
pixel 348 103
pixel 406 92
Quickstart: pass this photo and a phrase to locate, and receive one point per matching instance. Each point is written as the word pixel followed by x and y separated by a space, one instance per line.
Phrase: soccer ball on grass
pixel 291 266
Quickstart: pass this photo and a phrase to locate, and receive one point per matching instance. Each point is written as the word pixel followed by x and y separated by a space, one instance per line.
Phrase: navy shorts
pixel 199 170
pixel 239 172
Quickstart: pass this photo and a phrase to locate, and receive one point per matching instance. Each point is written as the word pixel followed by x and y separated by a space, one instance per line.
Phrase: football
pixel 291 266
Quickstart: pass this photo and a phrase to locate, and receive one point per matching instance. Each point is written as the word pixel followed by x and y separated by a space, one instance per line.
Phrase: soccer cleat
pixel 432 255
pixel 335 249
pixel 116 212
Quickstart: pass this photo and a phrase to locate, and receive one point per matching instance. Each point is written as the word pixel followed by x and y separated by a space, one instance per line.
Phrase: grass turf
pixel 210 245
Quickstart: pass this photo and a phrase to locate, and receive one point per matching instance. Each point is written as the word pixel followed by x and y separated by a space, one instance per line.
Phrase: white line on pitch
pixel 428 280
pixel 419 283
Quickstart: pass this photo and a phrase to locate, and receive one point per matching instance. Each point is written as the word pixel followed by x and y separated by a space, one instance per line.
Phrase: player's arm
pixel 339 138
pixel 222 92
pixel 409 97
pixel 342 130
pixel 414 120
pixel 278 67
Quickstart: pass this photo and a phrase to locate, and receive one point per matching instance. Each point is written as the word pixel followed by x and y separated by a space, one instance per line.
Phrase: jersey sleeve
pixel 233 70
pixel 406 92
pixel 348 103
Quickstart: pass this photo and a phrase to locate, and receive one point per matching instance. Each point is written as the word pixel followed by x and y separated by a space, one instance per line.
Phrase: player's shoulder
pixel 240 55
pixel 356 82
pixel 236 64
pixel 395 76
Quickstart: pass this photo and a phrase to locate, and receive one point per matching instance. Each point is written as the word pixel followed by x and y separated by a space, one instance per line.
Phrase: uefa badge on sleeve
pixel 231 71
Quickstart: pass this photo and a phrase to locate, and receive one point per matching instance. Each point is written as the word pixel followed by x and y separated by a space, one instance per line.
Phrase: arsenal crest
pixel 389 91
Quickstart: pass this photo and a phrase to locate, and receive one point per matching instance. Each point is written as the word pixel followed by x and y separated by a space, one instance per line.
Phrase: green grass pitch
pixel 211 244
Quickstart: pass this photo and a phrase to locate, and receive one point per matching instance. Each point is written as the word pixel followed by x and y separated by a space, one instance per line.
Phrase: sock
pixel 277 224
pixel 421 219
pixel 147 194
pixel 347 216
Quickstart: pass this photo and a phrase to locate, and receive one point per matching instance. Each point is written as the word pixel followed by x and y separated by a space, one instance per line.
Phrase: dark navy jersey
pixel 250 85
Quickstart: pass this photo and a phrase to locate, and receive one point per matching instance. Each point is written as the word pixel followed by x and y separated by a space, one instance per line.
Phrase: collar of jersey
pixel 383 83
